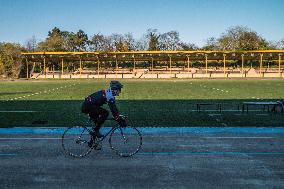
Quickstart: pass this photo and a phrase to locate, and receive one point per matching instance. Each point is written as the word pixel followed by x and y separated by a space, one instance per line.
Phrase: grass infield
pixel 148 103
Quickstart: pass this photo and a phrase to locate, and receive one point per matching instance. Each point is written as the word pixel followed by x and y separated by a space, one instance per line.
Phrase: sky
pixel 195 20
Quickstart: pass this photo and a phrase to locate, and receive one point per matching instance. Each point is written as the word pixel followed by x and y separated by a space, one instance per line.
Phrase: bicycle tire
pixel 122 135
pixel 75 141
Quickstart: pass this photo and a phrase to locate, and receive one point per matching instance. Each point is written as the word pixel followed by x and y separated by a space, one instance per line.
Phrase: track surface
pixel 217 159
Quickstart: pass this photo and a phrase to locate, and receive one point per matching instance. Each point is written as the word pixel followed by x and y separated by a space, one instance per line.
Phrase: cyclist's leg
pixel 98 115
pixel 103 114
pixel 94 113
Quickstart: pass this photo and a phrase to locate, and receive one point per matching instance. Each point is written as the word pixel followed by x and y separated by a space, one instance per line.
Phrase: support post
pixel 224 60
pixel 170 64
pixel 243 59
pixel 152 63
pixel 187 63
pixel 116 67
pixel 44 68
pixel 133 63
pixel 80 67
pixel 27 64
pixel 98 66
pixel 260 66
pixel 206 64
pixel 34 64
pixel 279 66
pixel 62 67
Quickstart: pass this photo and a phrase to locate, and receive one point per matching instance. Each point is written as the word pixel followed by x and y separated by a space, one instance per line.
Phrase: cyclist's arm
pixel 113 108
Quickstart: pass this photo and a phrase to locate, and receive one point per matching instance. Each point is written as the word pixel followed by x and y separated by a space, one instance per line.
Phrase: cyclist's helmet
pixel 115 85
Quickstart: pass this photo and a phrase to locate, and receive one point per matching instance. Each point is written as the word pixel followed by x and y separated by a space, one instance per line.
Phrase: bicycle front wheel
pixel 126 141
pixel 75 141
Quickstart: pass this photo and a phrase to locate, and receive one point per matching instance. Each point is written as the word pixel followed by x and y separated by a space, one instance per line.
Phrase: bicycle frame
pixel 90 124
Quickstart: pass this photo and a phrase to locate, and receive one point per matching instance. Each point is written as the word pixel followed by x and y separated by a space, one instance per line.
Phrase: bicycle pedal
pixel 90 144
pixel 97 146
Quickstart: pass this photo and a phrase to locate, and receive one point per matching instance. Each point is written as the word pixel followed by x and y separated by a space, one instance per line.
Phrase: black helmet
pixel 114 85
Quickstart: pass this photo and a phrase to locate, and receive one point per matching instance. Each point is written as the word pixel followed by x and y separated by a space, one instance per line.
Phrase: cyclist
pixel 92 105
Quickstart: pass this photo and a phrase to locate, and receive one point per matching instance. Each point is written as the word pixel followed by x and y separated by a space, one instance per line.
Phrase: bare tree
pixel 169 41
pixel 211 44
pixel 280 44
pixel 31 44
pixel 141 44
pixel 129 41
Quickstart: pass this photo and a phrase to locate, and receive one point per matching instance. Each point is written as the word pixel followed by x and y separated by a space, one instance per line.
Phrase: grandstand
pixel 155 64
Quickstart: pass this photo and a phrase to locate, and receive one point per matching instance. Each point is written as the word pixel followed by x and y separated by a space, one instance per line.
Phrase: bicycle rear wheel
pixel 126 141
pixel 75 141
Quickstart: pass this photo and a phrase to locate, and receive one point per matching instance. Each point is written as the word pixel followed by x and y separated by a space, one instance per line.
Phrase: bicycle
pixel 124 141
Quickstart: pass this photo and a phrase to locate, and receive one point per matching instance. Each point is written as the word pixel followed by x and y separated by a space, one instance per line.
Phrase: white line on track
pixel 242 137
pixel 40 92
pixel 207 110
pixel 30 138
pixel 18 111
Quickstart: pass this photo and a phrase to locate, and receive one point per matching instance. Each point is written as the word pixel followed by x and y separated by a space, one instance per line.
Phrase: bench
pixel 218 106
pixel 265 105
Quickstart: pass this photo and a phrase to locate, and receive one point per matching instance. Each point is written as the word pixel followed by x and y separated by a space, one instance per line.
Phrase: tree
pixel 241 38
pixel 120 43
pixel 54 32
pixel 140 44
pixel 211 44
pixel 2 68
pixel 54 42
pixel 169 41
pixel 187 46
pixel 10 59
pixel 280 44
pixel 99 43
pixel 116 41
pixel 129 41
pixel 81 41
pixel 153 39
pixel 31 44
pixel 70 41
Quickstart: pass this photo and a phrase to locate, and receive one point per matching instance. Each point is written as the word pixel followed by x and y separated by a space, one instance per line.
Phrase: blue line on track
pixel 8 154
pixel 210 153
pixel 60 130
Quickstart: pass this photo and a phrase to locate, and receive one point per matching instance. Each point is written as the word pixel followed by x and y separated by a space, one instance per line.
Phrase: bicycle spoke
pixel 125 141
pixel 75 141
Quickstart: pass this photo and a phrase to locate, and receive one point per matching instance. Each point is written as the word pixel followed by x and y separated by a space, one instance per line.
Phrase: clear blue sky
pixel 195 20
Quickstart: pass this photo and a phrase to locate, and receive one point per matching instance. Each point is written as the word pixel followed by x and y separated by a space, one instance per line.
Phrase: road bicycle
pixel 124 141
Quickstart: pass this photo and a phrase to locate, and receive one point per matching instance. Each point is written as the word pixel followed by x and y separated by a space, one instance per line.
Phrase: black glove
pixel 122 122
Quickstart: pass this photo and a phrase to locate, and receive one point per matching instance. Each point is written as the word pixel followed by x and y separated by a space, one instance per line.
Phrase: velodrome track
pixel 170 158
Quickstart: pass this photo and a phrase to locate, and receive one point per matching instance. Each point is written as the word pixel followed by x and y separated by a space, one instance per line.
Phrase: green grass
pixel 148 103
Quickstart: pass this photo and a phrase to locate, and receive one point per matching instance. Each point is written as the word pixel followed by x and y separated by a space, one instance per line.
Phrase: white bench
pixel 265 105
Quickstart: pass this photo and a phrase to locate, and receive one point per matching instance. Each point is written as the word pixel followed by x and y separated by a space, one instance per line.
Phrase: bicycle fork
pixel 123 136
pixel 79 141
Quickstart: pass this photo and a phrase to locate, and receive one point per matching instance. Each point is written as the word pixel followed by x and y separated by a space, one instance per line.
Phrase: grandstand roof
pixel 157 55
